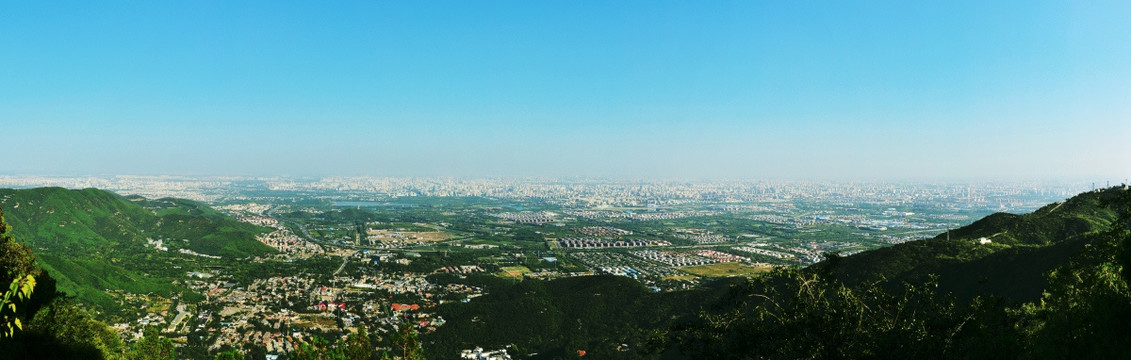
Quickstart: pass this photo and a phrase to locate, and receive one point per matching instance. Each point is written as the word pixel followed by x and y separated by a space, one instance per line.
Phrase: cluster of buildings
pixel 625 271
pixel 288 243
pixel 596 243
pixel 260 220
pixel 701 236
pixel 764 252
pixel 245 208
pixel 639 216
pixel 771 218
pixel 279 312
pixel 194 253
pixel 533 218
pixel 263 312
pixel 602 231
pixel 624 265
pixel 721 256
pixel 672 258
pixel 460 269
pixel 893 240
pixel 158 244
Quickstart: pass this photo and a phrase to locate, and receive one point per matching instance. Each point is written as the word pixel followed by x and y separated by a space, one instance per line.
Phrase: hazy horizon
pixel 1025 90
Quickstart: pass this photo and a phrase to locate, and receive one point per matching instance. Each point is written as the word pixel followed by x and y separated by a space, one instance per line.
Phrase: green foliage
pixel 528 235
pixel 18 268
pixel 230 354
pixel 63 330
pixel 791 314
pixel 406 344
pixel 73 333
pixel 1084 312
pixel 16 260
pixel 356 346
pixel 153 346
pixel 317 348
pixel 21 289
pixel 559 317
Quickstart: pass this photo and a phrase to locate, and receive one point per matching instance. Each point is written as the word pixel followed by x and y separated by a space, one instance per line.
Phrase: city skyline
pixel 511 89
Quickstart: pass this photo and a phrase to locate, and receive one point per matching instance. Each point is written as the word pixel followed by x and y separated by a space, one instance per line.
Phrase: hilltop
pixel 90 240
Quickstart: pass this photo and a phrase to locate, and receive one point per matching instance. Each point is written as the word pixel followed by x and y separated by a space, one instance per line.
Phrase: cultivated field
pixel 725 269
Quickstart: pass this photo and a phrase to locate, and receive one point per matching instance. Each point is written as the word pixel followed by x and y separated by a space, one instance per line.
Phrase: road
pixel 345 260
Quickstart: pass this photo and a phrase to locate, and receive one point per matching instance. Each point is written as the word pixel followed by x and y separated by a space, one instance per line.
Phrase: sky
pixel 629 89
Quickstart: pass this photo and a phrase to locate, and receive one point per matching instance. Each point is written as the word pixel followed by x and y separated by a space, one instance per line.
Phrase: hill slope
pixel 1013 265
pixel 91 240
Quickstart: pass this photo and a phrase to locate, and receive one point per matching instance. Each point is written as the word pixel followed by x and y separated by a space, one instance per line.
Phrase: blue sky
pixel 649 89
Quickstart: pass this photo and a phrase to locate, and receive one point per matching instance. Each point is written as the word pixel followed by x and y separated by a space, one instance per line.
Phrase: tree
pixel 357 345
pixel 18 268
pixel 792 313
pixel 1084 312
pixel 153 346
pixel 230 354
pixel 72 332
pixel 19 290
pixel 317 349
pixel 406 344
pixel 255 352
pixel 16 259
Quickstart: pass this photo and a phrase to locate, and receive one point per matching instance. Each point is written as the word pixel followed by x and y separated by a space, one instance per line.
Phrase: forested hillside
pixel 92 240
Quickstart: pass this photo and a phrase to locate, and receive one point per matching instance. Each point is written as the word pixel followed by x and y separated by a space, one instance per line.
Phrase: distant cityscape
pixel 1000 195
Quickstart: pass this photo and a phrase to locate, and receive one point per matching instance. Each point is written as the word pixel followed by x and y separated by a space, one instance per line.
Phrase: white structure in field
pixel 479 354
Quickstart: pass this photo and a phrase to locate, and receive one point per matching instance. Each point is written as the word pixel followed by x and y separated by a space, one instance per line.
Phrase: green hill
pixel 1022 249
pixel 92 240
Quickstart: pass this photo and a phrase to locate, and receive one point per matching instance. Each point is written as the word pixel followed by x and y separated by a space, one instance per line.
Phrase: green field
pixel 515 272
pixel 725 269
